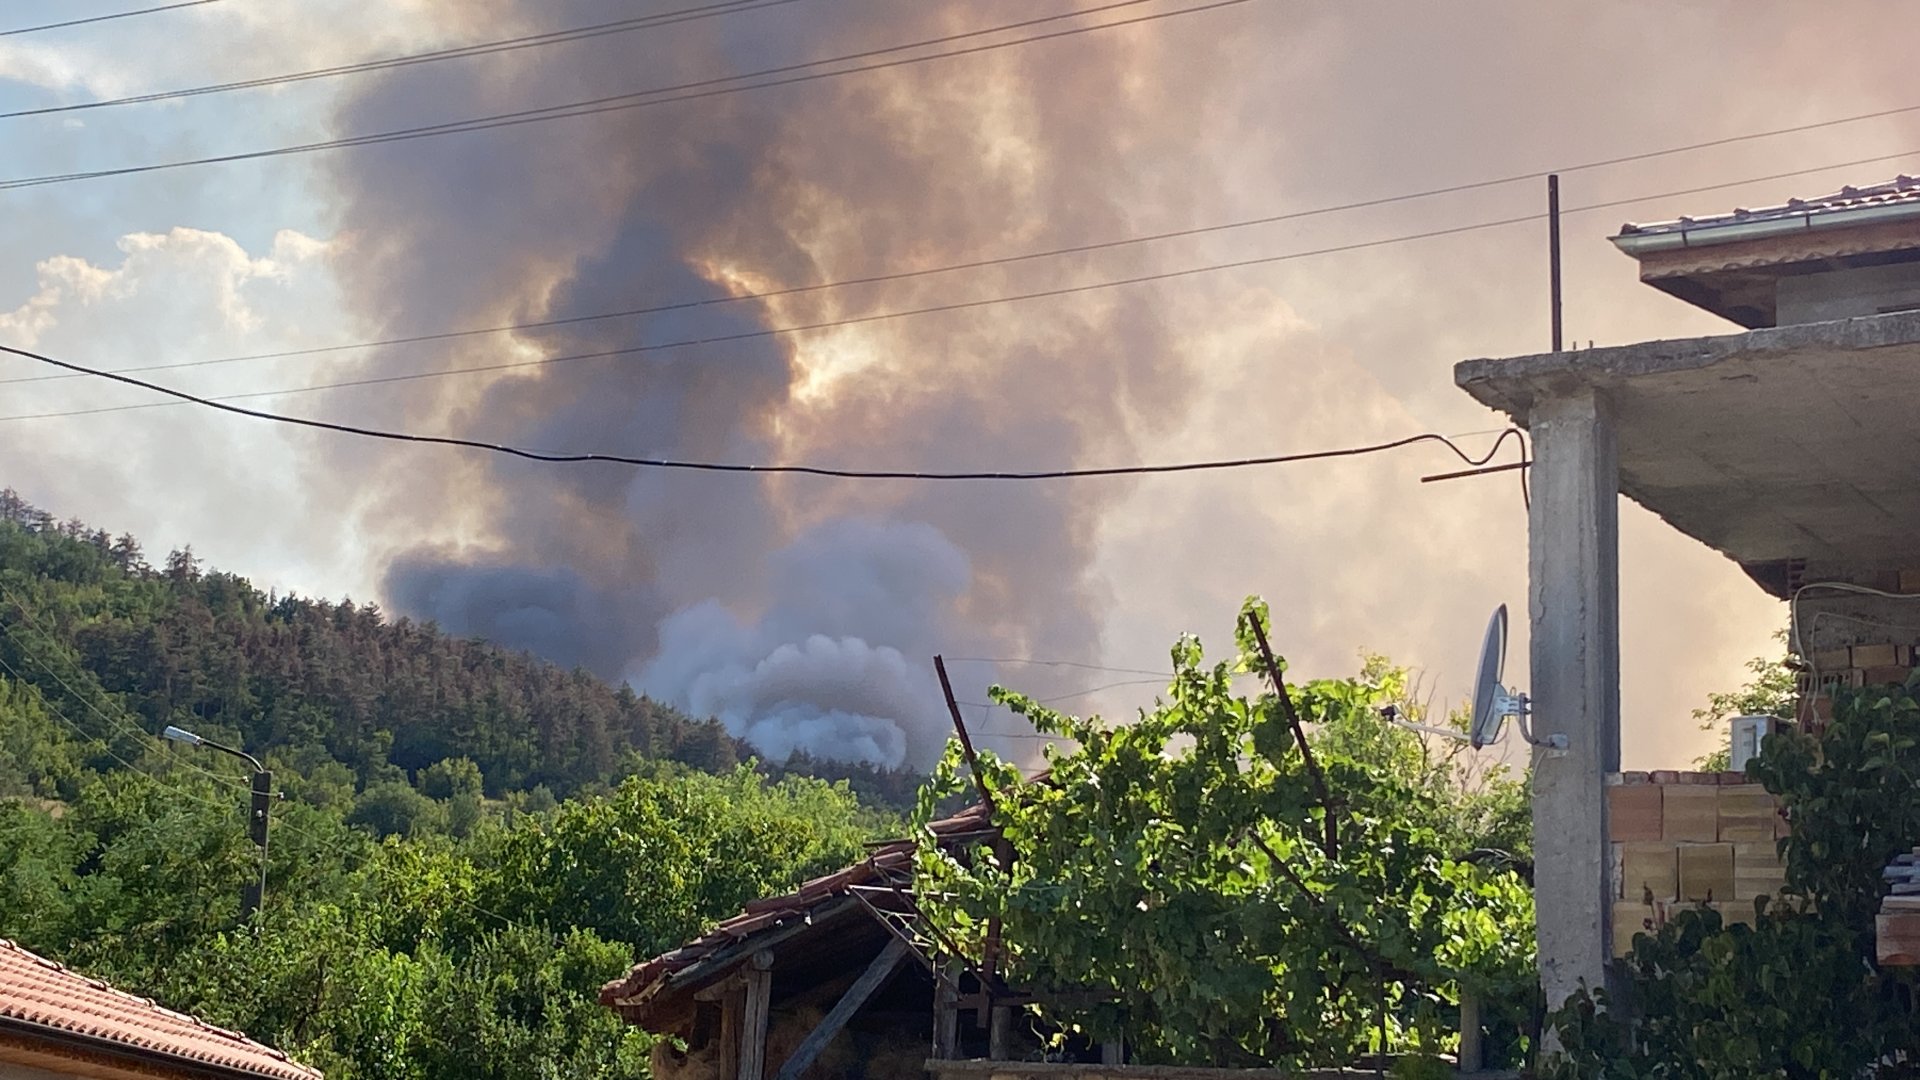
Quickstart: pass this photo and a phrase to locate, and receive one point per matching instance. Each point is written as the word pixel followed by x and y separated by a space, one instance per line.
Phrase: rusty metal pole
pixel 1553 252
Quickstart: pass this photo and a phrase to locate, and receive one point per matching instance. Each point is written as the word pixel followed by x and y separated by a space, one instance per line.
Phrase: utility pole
pixel 255 894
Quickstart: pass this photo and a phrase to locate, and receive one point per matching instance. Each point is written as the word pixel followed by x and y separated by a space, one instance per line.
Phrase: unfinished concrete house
pixel 1792 447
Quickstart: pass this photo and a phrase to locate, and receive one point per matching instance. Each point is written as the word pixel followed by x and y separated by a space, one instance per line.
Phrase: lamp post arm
pixel 241 754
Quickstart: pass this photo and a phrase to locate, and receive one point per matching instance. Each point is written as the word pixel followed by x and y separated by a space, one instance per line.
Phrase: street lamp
pixel 256 892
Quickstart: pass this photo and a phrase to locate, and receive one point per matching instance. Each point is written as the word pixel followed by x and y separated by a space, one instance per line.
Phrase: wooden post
pixel 753 1026
pixel 946 1013
pixel 1472 1058
pixel 732 1013
pixel 1000 1034
pixel 1113 1052
pixel 877 972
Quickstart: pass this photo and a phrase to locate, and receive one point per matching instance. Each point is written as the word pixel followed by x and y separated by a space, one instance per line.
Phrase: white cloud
pixel 237 490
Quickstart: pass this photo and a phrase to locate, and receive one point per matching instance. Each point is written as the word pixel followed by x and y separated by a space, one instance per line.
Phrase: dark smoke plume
pixel 801 612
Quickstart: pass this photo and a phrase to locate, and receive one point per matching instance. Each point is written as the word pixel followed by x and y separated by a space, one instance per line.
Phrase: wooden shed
pixel 826 981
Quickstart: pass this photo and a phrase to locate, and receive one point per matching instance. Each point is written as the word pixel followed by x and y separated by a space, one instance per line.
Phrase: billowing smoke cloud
pixel 804 675
pixel 803 613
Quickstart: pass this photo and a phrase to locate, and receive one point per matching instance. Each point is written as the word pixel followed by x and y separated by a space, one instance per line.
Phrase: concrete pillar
pixel 1574 604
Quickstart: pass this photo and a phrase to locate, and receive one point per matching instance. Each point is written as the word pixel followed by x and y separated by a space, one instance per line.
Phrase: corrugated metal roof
pixel 40 993
pixel 1900 190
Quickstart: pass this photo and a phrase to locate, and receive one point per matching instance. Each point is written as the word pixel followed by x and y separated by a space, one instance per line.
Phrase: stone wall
pixel 1682 840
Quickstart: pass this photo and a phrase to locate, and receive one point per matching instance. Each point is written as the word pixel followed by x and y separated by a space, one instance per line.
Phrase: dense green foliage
pixel 421 958
pixel 1186 868
pixel 434 909
pixel 98 630
pixel 1797 994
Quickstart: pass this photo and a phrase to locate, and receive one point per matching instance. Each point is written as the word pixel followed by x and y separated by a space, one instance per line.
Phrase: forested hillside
pixel 470 840
pixel 118 644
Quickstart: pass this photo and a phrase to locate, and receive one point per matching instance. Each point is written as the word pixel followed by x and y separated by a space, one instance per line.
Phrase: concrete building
pixel 1792 447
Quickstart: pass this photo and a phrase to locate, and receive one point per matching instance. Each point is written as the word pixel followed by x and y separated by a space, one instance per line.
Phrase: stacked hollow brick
pixel 1898 926
pixel 1858 665
pixel 1683 840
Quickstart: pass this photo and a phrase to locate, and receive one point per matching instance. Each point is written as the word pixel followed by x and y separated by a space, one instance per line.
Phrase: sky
pixel 804 611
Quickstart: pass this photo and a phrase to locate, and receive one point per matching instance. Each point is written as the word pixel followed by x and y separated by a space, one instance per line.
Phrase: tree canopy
pixel 1236 897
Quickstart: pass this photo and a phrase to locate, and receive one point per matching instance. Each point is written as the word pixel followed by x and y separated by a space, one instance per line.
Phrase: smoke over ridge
pixel 801 612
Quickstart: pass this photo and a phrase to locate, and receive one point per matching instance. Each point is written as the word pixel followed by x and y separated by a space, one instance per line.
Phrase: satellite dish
pixel 1489 696
pixel 1493 702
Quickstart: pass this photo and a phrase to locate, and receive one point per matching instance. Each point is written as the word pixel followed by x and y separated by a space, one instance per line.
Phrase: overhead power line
pixel 704 88
pixel 104 18
pixel 1005 260
pixel 460 52
pixel 776 469
pixel 772 332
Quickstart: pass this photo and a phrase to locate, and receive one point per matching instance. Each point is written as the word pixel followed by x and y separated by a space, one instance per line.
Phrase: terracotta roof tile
pixel 38 992
pixel 885 860
pixel 1898 191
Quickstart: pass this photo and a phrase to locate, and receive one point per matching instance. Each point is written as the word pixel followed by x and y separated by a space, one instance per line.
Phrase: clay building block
pixel 1633 813
pixel 1757 871
pixel 1706 872
pixel 1734 912
pixel 1747 814
pixel 1874 656
pixel 1690 812
pixel 1648 869
pixel 1830 660
pixel 1630 919
pixel 1897 938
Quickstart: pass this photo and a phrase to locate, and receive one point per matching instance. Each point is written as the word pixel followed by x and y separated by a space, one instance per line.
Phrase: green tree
pixel 659 858
pixel 394 808
pixel 1796 994
pixel 1233 903
pixel 1770 691
pixel 450 777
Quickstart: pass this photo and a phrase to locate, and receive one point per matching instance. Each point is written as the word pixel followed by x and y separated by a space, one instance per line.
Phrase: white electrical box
pixel 1746 734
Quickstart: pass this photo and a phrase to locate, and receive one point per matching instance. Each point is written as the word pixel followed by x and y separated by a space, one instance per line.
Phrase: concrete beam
pixel 1574 604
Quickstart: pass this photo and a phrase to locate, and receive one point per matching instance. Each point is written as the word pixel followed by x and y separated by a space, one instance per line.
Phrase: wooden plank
pixel 882 967
pixel 1000 1033
pixel 733 1011
pixel 1470 1056
pixel 946 1013
pixel 753 1024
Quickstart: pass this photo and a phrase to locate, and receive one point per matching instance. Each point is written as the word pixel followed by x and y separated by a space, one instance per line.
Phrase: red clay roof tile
pixel 40 993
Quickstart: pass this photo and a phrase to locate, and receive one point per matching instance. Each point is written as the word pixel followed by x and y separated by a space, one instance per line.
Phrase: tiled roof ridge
pixel 141 1032
pixel 768 912
pixel 1902 188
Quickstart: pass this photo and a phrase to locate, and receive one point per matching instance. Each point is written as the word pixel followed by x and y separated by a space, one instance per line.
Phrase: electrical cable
pixel 1055 663
pixel 1794 641
pixel 140 734
pixel 529 41
pixel 87 737
pixel 769 469
pixel 281 825
pixel 104 18
pixel 705 88
pixel 905 313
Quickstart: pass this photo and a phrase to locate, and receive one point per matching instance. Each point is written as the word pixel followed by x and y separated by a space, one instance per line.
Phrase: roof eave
pixel 139 1056
pixel 1639 240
